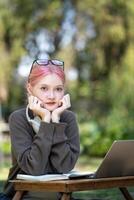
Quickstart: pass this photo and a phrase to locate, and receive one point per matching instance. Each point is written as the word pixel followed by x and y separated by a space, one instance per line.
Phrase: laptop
pixel 119 161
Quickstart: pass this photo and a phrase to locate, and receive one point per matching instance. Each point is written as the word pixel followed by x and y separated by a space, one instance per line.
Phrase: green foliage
pixel 93 141
pixel 101 51
pixel 5 148
pixel 113 33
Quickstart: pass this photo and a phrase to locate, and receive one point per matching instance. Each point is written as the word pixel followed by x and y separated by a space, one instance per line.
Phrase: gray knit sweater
pixel 54 149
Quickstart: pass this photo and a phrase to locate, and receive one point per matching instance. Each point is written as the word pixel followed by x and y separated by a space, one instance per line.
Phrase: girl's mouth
pixel 50 103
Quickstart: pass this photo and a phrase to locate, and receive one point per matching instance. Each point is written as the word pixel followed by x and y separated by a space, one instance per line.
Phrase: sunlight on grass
pixel 3 173
pixel 87 163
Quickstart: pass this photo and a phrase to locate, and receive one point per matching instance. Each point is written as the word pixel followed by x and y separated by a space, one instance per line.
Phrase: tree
pixel 96 40
pixel 18 20
pixel 110 68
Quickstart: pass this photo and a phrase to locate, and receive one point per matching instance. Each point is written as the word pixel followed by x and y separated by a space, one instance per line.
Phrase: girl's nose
pixel 51 95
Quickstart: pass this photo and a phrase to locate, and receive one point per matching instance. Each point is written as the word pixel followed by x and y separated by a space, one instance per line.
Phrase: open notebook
pixel 50 177
pixel 119 161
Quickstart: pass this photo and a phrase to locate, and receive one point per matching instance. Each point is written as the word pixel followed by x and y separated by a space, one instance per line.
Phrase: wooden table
pixel 66 187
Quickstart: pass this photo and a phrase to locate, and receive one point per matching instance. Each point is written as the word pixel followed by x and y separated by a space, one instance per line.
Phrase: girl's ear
pixel 29 89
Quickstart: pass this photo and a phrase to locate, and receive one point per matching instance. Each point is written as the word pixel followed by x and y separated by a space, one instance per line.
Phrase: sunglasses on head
pixel 45 62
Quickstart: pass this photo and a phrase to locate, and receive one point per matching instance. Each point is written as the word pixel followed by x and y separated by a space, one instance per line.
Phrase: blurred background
pixel 96 41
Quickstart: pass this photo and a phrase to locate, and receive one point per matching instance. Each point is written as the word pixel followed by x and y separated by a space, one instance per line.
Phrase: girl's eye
pixel 44 88
pixel 59 89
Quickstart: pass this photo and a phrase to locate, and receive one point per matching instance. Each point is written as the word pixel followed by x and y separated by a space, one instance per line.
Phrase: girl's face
pixel 50 90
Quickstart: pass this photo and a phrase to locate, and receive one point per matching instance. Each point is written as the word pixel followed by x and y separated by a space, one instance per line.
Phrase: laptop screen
pixel 119 160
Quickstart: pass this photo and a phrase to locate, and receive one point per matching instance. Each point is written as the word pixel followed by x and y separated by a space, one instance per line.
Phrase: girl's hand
pixel 36 106
pixel 64 104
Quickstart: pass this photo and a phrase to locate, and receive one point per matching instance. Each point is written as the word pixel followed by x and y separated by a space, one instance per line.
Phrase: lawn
pixel 83 164
pixel 90 164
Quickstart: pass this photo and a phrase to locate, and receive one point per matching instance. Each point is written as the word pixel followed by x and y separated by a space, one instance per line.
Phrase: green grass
pixel 109 194
pixel 83 164
pixel 112 194
pixel 4 167
pixel 1 185
pixel 91 164
pixel 5 147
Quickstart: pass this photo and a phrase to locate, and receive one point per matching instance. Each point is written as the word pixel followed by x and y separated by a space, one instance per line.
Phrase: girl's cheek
pixel 42 105
pixel 59 104
pixel 62 95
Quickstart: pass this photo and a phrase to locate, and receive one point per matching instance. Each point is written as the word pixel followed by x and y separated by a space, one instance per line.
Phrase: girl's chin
pixel 51 108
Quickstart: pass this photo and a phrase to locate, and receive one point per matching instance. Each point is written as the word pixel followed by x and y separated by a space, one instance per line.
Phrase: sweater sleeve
pixel 32 152
pixel 66 145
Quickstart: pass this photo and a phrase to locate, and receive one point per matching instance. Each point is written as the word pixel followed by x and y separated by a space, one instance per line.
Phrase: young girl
pixel 44 135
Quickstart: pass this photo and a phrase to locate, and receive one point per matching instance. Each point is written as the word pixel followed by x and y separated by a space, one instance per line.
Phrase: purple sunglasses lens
pixel 57 62
pixel 42 62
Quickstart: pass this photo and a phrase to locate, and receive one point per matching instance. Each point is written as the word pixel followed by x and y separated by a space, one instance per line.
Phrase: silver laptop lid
pixel 119 160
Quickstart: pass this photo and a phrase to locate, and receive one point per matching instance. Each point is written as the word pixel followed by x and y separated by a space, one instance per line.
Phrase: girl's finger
pixel 30 100
pixel 67 99
pixel 35 100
